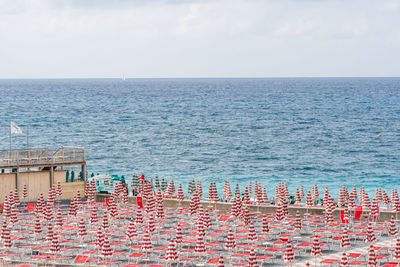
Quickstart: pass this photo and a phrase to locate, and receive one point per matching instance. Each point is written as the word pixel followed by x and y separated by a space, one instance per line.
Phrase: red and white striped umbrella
pixel 59 220
pixel 378 195
pixel 345 241
pixel 280 212
pixel 227 190
pixel 251 234
pixel 178 235
pixel 25 192
pixel 55 245
pixel 100 237
pixel 221 262
pixel 374 211
pixel 194 203
pixel 298 196
pixel 315 193
pixel 326 197
pixel 38 227
pixel 3 228
pixel 252 259
pixel 48 212
pixel 106 225
pixel 106 248
pixel 207 219
pixel 316 248
pixel 172 255
pixel 352 200
pixel 151 226
pixel 392 227
pixel 370 234
pixel 199 189
pixel 93 216
pixel 230 243
pixel 160 205
pixel 385 198
pixel 13 217
pixel 265 225
pixel 131 231
pixel 82 228
pixel 264 195
pixel 354 192
pixel 146 244
pixel 7 238
pixel 297 222
pixel 170 191
pixel 396 252
pixel 246 215
pixel 59 189
pixel 246 197
pixel 200 247
pixel 344 262
pixel 372 262
pixel 309 201
pixel 139 217
pixel 181 196
pixel 366 202
pixel 16 197
pixel 288 255
pixel 50 233
pixel 151 203
pixel 302 192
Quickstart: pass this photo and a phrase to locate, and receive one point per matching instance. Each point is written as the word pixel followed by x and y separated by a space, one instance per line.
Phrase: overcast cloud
pixel 189 38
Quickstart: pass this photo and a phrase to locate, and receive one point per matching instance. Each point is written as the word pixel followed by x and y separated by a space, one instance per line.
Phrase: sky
pixel 199 38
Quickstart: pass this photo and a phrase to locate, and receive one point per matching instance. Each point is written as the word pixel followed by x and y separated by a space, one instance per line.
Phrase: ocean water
pixel 302 131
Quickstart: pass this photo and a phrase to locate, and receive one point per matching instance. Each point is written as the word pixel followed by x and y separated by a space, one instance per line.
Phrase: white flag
pixel 14 128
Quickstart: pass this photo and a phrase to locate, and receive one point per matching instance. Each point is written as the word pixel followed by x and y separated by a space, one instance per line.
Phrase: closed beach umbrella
pixel 392 227
pixel 396 253
pixel 106 249
pixel 345 242
pixel 230 241
pixel 181 196
pixel 344 262
pixel 316 248
pixel 372 262
pixel 178 236
pixel 172 255
pixel 370 234
pixel 251 235
pixel 265 225
pixel 221 262
pixel 55 245
pixel 252 259
pixel 288 255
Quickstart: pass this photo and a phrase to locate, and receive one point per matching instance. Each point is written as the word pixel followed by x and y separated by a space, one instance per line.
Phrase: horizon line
pixel 200 77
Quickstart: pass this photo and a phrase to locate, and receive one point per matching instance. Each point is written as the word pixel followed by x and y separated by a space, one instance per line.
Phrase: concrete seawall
pixel 173 203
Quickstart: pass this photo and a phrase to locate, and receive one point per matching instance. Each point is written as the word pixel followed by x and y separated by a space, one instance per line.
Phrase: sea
pixel 329 131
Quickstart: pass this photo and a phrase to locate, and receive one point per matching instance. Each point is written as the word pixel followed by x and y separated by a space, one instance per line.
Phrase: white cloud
pixel 168 38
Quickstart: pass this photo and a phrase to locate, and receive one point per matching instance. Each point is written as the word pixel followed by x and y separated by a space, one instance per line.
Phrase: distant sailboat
pixel 123 77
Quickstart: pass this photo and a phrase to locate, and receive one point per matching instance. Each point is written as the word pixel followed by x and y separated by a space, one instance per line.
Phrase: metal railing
pixel 41 157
